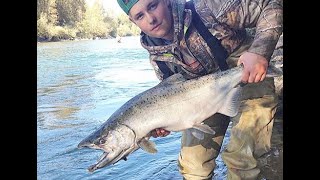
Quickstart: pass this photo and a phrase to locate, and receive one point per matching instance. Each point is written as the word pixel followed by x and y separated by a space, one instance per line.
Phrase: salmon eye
pixel 102 141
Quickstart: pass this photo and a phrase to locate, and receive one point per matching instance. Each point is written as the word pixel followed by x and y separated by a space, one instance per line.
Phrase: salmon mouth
pixel 106 159
pixel 103 161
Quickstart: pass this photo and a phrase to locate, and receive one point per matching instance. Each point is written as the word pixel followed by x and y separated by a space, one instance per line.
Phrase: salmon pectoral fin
pixel 147 145
pixel 231 103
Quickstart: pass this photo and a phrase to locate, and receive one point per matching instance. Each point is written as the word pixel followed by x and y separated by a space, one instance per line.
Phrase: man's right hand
pixel 159 132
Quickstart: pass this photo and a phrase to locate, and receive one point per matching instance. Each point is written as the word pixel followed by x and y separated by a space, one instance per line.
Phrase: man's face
pixel 153 17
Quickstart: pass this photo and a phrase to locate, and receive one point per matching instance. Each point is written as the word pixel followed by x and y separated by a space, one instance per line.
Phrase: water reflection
pixel 60 101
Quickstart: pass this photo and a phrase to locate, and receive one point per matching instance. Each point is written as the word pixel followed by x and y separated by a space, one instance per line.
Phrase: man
pixel 175 46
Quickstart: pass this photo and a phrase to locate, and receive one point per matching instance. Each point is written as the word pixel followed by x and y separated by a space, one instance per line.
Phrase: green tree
pixel 42 7
pixel 111 23
pixel 93 24
pixel 70 19
pixel 52 12
pixel 47 8
pixel 126 27
pixel 70 11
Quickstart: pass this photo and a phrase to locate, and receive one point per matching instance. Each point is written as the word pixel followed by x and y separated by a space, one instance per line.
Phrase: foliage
pixel 48 31
pixel 126 27
pixel 70 19
pixel 70 11
pixel 111 23
pixel 43 27
pixel 92 24
pixel 42 7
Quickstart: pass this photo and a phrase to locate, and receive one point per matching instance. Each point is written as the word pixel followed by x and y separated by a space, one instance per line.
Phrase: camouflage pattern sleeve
pixel 268 28
pixel 265 15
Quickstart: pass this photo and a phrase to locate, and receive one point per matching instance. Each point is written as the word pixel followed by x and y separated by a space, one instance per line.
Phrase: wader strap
pixel 164 69
pixel 218 51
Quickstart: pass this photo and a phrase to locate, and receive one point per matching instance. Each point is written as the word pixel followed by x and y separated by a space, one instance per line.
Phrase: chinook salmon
pixel 175 104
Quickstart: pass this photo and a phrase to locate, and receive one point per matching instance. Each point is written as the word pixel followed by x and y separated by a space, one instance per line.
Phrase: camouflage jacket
pixel 227 20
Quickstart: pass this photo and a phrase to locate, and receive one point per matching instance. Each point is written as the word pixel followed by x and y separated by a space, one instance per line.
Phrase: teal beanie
pixel 126 5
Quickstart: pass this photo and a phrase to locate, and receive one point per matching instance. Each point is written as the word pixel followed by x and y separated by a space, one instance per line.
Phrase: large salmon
pixel 175 104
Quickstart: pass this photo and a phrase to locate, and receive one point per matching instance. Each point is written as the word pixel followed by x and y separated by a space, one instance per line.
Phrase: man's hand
pixel 255 67
pixel 159 132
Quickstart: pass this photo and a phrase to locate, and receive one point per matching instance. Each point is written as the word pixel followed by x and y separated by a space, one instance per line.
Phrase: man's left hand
pixel 255 67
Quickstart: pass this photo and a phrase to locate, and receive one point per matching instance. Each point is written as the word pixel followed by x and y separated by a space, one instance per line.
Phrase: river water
pixel 79 85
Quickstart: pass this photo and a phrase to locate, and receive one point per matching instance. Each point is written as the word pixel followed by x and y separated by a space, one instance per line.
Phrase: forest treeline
pixel 74 19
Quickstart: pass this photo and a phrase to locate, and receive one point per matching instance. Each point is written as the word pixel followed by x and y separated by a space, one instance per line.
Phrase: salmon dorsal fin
pixel 147 146
pixel 176 78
